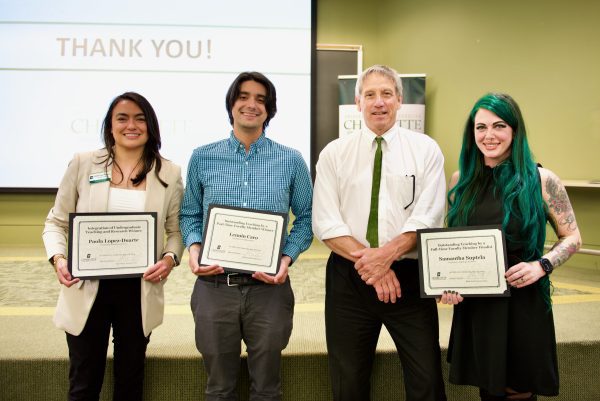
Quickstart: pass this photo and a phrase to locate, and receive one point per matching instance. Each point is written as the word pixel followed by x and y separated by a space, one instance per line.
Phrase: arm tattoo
pixel 559 202
pixel 563 251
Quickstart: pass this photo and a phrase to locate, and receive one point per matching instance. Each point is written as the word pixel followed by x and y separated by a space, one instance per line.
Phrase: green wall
pixel 22 218
pixel 544 53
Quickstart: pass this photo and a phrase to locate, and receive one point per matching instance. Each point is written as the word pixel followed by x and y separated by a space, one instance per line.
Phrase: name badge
pixel 99 177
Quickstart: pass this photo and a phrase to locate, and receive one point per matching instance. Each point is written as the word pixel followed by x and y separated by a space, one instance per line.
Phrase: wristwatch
pixel 54 259
pixel 546 265
pixel 172 256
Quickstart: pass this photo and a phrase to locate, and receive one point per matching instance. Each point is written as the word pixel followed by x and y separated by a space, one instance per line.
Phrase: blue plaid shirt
pixel 269 177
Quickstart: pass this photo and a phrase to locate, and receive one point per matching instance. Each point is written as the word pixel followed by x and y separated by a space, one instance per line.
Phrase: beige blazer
pixel 77 194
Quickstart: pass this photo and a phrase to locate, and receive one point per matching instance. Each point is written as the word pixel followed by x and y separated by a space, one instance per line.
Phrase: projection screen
pixel 62 62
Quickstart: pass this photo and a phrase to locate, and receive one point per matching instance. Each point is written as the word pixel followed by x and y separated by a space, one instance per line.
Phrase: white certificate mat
pixel 243 240
pixel 111 245
pixel 468 260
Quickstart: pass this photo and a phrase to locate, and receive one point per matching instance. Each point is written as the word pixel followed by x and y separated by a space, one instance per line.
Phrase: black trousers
pixel 118 305
pixel 353 319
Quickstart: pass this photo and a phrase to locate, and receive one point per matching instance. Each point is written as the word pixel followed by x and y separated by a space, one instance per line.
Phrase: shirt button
pixel 244 204
pixel 245 183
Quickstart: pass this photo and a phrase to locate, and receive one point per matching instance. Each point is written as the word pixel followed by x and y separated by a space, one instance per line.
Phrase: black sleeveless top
pixel 503 342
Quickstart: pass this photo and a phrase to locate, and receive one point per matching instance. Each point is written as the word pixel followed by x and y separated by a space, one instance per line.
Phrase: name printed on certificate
pixel 111 245
pixel 468 260
pixel 243 240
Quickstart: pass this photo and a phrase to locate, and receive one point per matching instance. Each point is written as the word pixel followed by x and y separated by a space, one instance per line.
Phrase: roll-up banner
pixel 410 116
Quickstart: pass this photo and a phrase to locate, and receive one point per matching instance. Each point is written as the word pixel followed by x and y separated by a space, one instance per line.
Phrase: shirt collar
pixel 237 146
pixel 388 136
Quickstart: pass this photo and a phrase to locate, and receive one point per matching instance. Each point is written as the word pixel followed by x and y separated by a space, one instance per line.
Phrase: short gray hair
pixel 378 69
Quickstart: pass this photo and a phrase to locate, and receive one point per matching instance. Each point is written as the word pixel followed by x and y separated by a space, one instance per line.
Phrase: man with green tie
pixel 373 190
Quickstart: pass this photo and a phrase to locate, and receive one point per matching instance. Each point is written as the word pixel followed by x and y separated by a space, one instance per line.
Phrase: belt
pixel 231 279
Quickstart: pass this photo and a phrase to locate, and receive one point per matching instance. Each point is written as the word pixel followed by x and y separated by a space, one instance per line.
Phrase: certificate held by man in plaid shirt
pixel 235 298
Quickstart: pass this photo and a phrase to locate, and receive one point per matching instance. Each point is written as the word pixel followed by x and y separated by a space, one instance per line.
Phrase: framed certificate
pixel 111 245
pixel 243 240
pixel 469 260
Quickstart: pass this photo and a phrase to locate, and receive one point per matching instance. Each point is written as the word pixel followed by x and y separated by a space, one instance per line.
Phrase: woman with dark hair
pixel 127 175
pixel 506 346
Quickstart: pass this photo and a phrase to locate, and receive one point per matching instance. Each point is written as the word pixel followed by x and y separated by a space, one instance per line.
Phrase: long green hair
pixel 517 181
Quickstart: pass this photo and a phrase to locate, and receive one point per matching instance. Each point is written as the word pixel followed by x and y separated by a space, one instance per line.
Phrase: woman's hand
pixel 450 298
pixel 524 273
pixel 160 270
pixel 62 273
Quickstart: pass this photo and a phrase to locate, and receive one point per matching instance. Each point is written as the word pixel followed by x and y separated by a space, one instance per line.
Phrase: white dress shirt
pixel 342 194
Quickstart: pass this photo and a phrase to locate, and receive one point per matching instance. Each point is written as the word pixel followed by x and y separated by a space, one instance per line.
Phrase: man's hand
pixel 374 263
pixel 195 266
pixel 281 274
pixel 388 288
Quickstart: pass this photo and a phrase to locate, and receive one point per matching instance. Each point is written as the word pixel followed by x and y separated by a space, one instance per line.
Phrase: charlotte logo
pixel 88 258
pixel 218 249
pixel 438 276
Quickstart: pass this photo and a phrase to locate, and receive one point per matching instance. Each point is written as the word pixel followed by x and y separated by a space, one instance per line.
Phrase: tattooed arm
pixel 563 221
pixel 562 218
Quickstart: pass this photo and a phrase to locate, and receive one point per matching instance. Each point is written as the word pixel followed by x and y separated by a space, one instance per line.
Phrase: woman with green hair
pixel 506 346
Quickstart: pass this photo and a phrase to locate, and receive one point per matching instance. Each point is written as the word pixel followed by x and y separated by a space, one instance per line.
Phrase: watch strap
pixel 172 256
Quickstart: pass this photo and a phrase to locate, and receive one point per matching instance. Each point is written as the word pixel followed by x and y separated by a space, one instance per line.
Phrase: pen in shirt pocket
pixel 412 177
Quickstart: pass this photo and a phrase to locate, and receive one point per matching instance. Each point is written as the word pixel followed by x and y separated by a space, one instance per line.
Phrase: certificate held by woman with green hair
pixel 468 260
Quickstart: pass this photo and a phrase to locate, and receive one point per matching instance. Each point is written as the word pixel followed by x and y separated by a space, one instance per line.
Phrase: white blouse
pixel 126 200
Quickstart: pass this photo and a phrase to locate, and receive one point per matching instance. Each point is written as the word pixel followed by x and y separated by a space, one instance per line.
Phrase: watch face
pixel 546 265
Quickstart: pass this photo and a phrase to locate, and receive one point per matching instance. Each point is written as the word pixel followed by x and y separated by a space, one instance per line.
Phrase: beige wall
pixel 543 52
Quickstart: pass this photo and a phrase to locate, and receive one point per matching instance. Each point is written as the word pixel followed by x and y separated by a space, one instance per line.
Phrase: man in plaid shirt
pixel 246 170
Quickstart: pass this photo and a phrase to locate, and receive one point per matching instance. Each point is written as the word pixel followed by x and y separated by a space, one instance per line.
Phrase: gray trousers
pixel 261 316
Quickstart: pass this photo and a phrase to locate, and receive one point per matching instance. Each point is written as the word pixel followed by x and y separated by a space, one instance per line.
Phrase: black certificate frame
pixel 108 218
pixel 230 266
pixel 503 289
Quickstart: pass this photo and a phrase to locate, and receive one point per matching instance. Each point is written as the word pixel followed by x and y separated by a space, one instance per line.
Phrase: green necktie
pixel 372 226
